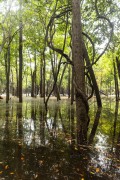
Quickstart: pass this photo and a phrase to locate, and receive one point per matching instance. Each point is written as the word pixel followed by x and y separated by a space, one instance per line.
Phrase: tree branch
pixel 111 32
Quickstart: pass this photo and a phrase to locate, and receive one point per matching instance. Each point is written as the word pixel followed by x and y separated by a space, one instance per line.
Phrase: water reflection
pixel 36 145
pixel 103 161
pixel 95 125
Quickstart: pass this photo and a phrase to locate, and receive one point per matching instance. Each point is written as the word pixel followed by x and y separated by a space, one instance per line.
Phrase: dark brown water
pixel 34 145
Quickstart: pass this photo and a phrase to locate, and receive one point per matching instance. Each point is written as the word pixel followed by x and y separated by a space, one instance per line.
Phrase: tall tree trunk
pixel 7 66
pixel 44 75
pixel 17 79
pixel 79 74
pixel 35 89
pixel 20 54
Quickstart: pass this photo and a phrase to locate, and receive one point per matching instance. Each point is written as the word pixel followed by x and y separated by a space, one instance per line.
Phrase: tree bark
pixel 79 75
pixel 20 55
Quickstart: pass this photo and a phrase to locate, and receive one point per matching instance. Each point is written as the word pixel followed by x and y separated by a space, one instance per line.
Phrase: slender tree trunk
pixel 7 73
pixel 118 69
pixel 17 80
pixel 69 80
pixel 79 74
pixel 41 80
pixel 72 88
pixel 118 66
pixel 20 54
pixel 54 71
pixel 12 84
pixel 32 83
pixel 92 75
pixel 35 88
pixel 63 72
pixel 116 82
pixel 44 75
pixel 26 86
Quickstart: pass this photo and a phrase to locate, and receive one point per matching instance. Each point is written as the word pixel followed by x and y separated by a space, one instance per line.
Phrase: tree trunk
pixel 35 89
pixel 17 80
pixel 63 72
pixel 20 54
pixel 72 88
pixel 32 83
pixel 92 75
pixel 12 84
pixel 54 72
pixel 41 80
pixel 44 74
pixel 79 74
pixel 7 66
pixel 116 82
pixel 118 66
pixel 69 80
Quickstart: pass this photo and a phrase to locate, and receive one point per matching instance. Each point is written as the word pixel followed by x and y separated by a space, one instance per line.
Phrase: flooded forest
pixel 59 90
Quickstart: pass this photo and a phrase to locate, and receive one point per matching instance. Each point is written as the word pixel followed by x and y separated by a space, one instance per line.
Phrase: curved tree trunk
pixel 92 75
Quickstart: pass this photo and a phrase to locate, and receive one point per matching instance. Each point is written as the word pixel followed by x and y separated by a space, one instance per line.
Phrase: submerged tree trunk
pixel 79 75
pixel 20 55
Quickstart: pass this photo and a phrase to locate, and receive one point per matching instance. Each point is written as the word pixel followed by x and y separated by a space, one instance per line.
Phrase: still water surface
pixel 36 145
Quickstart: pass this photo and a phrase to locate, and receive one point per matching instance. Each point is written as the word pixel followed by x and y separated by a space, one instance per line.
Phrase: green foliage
pixel 36 16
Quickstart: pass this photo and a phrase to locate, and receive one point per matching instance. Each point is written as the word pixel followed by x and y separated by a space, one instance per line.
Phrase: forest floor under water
pixel 43 146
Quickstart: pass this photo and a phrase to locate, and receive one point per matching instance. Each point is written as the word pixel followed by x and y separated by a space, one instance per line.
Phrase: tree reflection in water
pixel 104 160
pixel 36 145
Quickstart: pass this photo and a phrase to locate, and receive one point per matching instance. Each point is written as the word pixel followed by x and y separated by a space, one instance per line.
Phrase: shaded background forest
pixel 31 65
